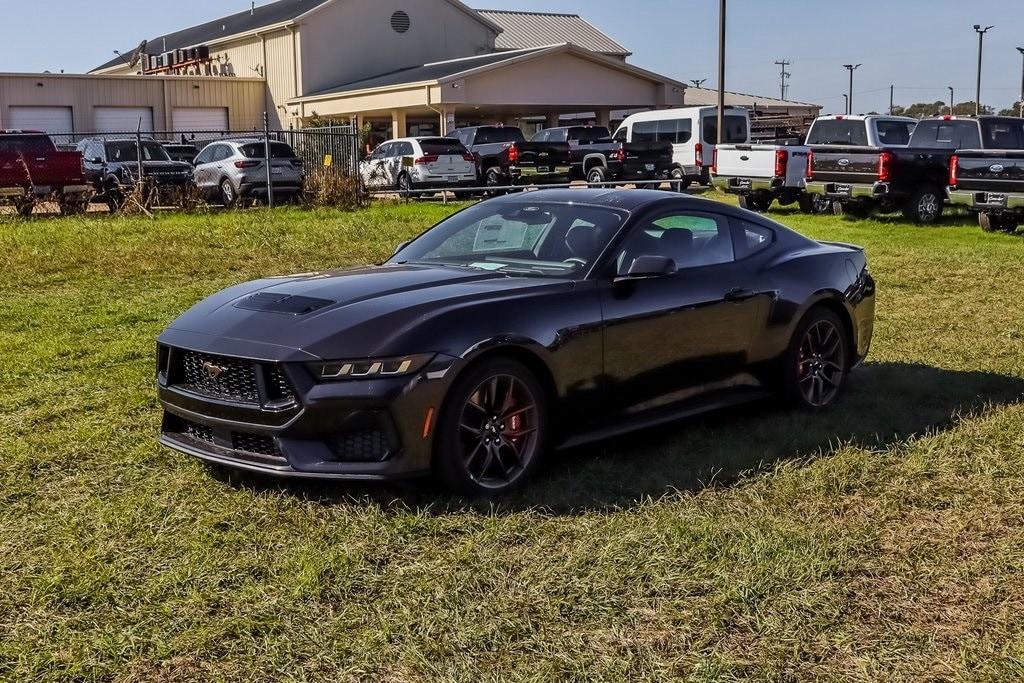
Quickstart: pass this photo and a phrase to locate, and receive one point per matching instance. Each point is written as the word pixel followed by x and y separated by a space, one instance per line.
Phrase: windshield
pixel 127 151
pixel 487 136
pixel 521 238
pixel 838 132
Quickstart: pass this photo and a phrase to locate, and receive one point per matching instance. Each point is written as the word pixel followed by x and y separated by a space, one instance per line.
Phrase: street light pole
pixel 950 88
pixel 846 106
pixel 981 44
pixel 849 100
pixel 721 71
pixel 1021 51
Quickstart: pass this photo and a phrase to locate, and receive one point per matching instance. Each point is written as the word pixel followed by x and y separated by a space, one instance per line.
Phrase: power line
pixel 783 75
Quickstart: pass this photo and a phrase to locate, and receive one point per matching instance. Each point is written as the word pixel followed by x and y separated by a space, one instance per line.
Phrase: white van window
pixel 735 129
pixel 620 134
pixel 645 131
pixel 676 131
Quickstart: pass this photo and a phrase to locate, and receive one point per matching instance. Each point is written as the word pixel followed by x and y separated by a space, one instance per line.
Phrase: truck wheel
pixel 679 181
pixel 854 209
pixel 924 206
pixel 755 202
pixel 597 176
pixel 493 179
pixel 812 203
pixel 25 207
pixel 988 222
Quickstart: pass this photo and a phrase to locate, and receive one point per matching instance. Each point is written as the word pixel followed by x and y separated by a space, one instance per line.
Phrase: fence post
pixel 266 150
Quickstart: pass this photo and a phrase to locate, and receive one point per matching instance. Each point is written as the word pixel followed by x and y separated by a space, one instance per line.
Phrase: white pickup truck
pixel 760 173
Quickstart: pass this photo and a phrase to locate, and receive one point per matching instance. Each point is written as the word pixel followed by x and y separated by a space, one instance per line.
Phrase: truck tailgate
pixel 745 161
pixel 543 158
pixel 996 170
pixel 846 164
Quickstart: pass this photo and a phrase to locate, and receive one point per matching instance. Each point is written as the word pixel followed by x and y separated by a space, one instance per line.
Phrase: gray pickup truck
pixel 990 180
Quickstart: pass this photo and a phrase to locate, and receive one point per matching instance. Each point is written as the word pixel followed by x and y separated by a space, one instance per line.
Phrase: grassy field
pixel 882 541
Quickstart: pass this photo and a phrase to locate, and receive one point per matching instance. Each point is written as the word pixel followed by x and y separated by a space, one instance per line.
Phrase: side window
pixel 645 131
pixel 620 134
pixel 223 152
pixel 751 238
pixel 542 136
pixel 691 240
pixel 405 149
pixel 205 156
pixel 381 151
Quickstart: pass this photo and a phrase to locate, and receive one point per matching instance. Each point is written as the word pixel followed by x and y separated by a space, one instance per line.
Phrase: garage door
pixel 48 119
pixel 123 119
pixel 188 119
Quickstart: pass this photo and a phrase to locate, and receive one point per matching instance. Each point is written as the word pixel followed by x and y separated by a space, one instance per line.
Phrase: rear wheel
pixel 492 430
pixel 494 180
pixel 228 195
pixel 755 202
pixel 405 186
pixel 812 203
pixel 678 178
pixel 996 222
pixel 817 360
pixel 924 206
pixel 597 176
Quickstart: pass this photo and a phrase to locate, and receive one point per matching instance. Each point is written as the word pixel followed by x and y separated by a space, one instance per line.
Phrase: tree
pixel 1013 110
pixel 920 110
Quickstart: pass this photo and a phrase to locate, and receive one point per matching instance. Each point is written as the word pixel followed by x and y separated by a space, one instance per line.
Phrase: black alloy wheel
pixel 817 361
pixel 493 179
pixel 679 183
pixel 924 206
pixel 493 429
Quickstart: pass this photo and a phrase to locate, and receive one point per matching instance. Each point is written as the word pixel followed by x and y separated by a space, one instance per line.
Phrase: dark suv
pixel 112 165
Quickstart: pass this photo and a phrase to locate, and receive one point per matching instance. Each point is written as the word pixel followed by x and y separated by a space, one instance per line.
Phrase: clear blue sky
pixel 919 45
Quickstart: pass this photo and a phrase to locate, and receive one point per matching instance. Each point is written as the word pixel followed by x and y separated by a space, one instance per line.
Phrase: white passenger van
pixel 693 132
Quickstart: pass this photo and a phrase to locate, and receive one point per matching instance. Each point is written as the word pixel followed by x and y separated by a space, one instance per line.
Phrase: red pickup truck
pixel 31 169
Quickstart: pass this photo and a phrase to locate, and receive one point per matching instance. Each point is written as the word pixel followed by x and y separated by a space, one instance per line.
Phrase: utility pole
pixel 697 82
pixel 846 107
pixel 950 99
pixel 981 45
pixel 267 159
pixel 1021 51
pixel 892 94
pixel 783 75
pixel 721 71
pixel 849 100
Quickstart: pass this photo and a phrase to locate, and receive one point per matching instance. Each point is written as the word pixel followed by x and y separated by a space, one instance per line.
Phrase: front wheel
pixel 492 430
pixel 817 360
pixel 924 206
pixel 405 186
pixel 678 181
pixel 494 180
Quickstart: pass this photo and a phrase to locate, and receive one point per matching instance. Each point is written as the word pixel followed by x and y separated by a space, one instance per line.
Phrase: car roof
pixel 679 112
pixel 626 200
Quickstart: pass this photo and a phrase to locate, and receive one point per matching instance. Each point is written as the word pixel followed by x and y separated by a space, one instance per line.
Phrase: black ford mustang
pixel 515 327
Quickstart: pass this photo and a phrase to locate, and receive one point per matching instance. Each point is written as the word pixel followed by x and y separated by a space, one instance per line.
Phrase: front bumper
pixel 986 201
pixel 377 429
pixel 878 190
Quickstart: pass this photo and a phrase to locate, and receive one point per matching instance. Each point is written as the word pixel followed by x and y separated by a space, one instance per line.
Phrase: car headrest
pixel 581 241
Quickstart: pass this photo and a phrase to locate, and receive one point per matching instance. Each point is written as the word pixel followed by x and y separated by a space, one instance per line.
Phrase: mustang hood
pixel 338 314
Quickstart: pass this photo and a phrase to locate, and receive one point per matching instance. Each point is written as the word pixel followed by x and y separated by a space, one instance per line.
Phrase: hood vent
pixel 268 302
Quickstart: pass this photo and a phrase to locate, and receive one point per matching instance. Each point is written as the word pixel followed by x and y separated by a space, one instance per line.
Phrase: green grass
pixel 882 541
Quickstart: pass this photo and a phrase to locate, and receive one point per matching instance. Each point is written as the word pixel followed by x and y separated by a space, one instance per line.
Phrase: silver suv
pixel 234 170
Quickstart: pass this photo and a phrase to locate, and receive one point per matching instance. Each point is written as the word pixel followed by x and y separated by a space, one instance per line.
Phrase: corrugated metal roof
pixel 708 96
pixel 427 72
pixel 535 29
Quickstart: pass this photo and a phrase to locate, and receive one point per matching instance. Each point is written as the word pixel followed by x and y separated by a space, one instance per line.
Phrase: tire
pixel 813 203
pixel 679 181
pixel 597 176
pixel 753 202
pixel 997 222
pixel 475 452
pixel 493 178
pixel 852 209
pixel 405 186
pixel 115 200
pixel 924 206
pixel 817 361
pixel 25 208
pixel 228 194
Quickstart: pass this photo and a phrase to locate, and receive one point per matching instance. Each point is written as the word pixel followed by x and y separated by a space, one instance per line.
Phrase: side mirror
pixel 646 267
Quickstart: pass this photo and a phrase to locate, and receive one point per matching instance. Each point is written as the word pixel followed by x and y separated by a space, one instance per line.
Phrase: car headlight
pixel 336 371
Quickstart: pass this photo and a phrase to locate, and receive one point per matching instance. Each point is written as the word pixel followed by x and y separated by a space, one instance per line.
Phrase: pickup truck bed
pixel 761 173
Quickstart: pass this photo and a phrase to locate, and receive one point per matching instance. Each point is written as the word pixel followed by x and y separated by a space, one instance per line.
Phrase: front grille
pixel 278 388
pixel 196 431
pixel 255 443
pixel 220 377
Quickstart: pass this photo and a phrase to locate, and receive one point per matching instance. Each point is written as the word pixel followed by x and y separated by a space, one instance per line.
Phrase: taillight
pixel 954 167
pixel 513 154
pixel 781 159
pixel 427 159
pixel 885 166
pixel 698 154
pixel 247 164
pixel 714 162
pixel 810 165
pixel 469 157
pixel 619 155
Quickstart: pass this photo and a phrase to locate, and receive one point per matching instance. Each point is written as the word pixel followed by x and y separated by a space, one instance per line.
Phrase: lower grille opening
pixel 255 443
pixel 365 437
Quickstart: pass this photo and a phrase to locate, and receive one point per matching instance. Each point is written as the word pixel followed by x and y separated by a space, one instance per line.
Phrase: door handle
pixel 739 294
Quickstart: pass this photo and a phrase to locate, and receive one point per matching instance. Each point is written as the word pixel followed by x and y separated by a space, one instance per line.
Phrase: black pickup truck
pixel 910 178
pixel 990 180
pixel 595 157
pixel 504 157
